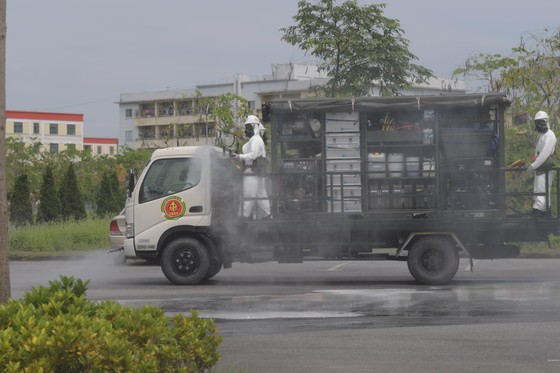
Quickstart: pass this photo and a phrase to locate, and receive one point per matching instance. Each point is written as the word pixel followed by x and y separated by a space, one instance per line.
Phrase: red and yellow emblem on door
pixel 173 208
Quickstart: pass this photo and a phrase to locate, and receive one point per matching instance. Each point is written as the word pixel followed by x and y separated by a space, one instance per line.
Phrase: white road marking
pixel 336 267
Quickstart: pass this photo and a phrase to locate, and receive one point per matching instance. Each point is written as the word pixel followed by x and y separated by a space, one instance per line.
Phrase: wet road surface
pixel 338 316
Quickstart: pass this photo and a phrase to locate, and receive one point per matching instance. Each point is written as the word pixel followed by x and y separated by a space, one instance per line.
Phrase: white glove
pixel 530 168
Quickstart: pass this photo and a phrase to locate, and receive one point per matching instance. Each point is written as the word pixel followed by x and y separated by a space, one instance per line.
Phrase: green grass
pixel 59 239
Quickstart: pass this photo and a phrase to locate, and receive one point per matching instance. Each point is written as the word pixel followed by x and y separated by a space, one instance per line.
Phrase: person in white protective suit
pixel 254 183
pixel 542 164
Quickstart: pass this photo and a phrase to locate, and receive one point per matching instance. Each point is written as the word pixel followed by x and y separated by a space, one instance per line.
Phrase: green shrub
pixel 57 329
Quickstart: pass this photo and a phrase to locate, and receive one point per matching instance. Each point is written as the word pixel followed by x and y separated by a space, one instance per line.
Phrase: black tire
pixel 433 261
pixel 214 269
pixel 185 261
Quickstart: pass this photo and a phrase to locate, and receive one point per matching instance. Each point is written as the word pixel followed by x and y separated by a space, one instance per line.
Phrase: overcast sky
pixel 78 56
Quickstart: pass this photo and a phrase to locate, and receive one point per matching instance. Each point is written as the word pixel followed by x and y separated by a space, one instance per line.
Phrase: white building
pixel 169 118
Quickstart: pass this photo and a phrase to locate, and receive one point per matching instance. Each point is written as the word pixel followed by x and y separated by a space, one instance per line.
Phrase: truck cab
pixel 183 194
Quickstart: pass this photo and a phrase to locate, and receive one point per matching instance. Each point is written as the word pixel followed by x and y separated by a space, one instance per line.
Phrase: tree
pixel 117 192
pixel 228 111
pixel 23 157
pixel 72 204
pixel 132 159
pixel 358 47
pixel 21 209
pixel 535 81
pixel 49 205
pixel 530 75
pixel 4 262
pixel 104 196
pixel 486 69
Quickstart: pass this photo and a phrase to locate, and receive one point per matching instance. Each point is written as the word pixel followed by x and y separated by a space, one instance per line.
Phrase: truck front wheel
pixel 433 261
pixel 185 261
pixel 213 269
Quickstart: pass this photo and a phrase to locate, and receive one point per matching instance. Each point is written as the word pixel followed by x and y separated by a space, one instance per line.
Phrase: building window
pixel 37 147
pixel 147 110
pixel 165 109
pixel 18 127
pixel 53 148
pixel 128 135
pixel 98 149
pixel 185 107
pixel 70 146
pixel 71 129
pixel 53 128
pixel 128 113
pixel 87 148
pixel 36 128
pixel 112 150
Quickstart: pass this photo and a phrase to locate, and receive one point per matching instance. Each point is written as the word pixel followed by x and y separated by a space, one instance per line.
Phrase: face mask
pixel 540 125
pixel 249 131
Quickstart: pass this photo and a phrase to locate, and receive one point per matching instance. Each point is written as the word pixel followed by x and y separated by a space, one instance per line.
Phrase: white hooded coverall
pixel 254 187
pixel 546 144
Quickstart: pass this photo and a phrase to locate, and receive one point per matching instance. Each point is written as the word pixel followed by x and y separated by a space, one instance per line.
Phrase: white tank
pixel 376 165
pixel 395 164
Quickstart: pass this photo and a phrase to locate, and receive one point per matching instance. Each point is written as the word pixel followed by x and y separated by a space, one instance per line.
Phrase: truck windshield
pixel 169 176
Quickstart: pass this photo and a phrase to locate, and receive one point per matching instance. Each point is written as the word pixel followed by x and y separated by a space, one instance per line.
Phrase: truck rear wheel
pixel 185 261
pixel 433 261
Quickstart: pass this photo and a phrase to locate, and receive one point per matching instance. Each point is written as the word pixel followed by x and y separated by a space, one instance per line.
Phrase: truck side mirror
pixel 131 183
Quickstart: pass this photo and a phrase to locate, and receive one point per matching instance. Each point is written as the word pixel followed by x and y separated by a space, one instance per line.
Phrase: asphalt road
pixel 342 316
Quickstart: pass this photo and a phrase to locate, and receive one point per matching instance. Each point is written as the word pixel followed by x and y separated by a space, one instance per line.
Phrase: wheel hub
pixel 431 260
pixel 186 261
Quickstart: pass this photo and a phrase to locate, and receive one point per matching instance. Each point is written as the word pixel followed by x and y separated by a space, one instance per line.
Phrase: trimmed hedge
pixel 57 329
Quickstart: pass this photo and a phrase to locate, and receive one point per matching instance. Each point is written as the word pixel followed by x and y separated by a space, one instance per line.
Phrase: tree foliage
pixel 104 197
pixel 49 205
pixel 23 157
pixel 110 195
pixel 487 70
pixel 130 159
pixel 530 75
pixel 117 192
pixel 21 208
pixel 72 204
pixel 89 170
pixel 227 112
pixel 359 48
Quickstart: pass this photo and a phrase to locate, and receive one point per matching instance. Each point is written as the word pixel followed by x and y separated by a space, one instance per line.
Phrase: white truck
pixel 418 179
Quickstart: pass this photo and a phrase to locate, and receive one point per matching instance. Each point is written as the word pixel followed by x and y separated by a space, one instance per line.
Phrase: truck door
pixel 172 192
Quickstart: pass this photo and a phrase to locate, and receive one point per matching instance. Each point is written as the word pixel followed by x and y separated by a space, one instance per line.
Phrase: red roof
pixel 100 140
pixel 37 115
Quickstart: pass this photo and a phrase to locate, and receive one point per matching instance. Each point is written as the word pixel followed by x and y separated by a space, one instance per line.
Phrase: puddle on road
pixel 507 300
pixel 264 315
